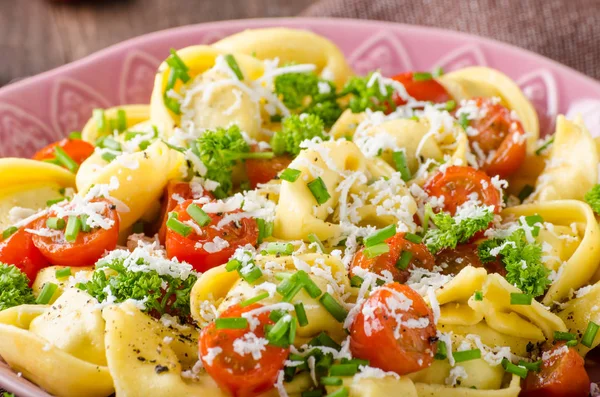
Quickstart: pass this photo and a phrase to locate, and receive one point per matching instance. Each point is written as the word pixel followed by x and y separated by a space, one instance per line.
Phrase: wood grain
pixel 38 35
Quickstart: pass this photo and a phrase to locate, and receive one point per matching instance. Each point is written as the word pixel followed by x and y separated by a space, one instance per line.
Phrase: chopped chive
pixel 356 281
pixel 380 236
pixel 276 118
pixel 175 62
pixel 525 192
pixel 54 201
pixel 312 393
pixel 64 272
pixel 463 121
pixel 333 307
pixel 75 135
pixel 292 331
pixel 251 275
pixel 9 231
pixel 343 370
pixel 301 314
pixel 590 334
pixel 73 228
pixel 121 120
pixel 572 343
pixel 355 361
pixel 108 156
pixel 517 298
pixel 280 248
pixel 319 190
pixel 438 71
pixel 478 296
pixel 46 294
pixel 422 76
pixel 137 227
pixel 534 366
pixel 65 159
pixel 55 223
pixel 233 65
pixel 290 175
pixel 442 351
pixel 399 158
pixel 514 369
pixel 466 355
pixel 172 105
pixel 52 161
pixel 280 328
pixel 287 285
pixel 545 146
pixel 109 143
pixel 376 250
pixel 177 226
pixel 275 315
pixel 231 323
pixel 331 381
pixel 450 105
pixel 84 225
pixel 564 336
pixel 414 118
pixel 265 229
pixel 413 238
pixel 404 260
pixel 343 392
pixel 292 292
pixel 314 239
pixel 100 118
pixel 232 265
pixel 198 215
pixel 257 298
pixel 324 340
pixel 171 80
pixel 531 220
pixel 309 285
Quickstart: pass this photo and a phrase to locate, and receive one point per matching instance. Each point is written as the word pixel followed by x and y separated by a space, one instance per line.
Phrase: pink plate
pixel 44 108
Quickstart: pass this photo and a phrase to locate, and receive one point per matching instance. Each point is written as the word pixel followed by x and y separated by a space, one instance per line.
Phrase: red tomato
pixel 262 171
pixel 242 376
pixel 19 250
pixel 454 260
pixel 457 183
pixel 188 248
pixel 376 335
pixel 421 257
pixel 562 375
pixel 499 135
pixel 424 90
pixel 87 248
pixel 77 149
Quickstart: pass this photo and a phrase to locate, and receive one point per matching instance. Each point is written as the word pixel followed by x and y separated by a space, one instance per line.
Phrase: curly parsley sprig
pixel 14 287
pixel 294 130
pixel 368 92
pixel 592 197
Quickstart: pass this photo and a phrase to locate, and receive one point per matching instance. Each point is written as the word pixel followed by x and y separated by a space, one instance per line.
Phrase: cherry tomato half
pixel 498 132
pixel 422 90
pixel 454 260
pixel 456 184
pixel 77 149
pixel 420 257
pixel 562 375
pixel 376 334
pixel 87 248
pixel 191 248
pixel 241 375
pixel 19 250
pixel 263 171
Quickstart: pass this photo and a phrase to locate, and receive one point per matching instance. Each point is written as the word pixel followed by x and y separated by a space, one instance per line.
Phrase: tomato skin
pixel 562 375
pixel 415 348
pixel 185 249
pixel 499 131
pixel 421 258
pixel 238 374
pixel 87 248
pixel 457 183
pixel 77 149
pixel 427 90
pixel 19 250
pixel 263 171
pixel 454 260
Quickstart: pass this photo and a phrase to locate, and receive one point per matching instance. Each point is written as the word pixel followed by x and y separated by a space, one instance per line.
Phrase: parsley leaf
pixel 593 198
pixel 294 130
pixel 522 259
pixel 454 230
pixel 365 96
pixel 14 287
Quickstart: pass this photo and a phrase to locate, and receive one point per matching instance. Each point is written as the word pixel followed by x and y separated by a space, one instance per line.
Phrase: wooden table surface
pixel 38 35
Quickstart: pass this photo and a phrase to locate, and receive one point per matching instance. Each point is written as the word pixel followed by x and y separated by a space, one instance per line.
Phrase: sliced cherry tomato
pixel 262 171
pixel 191 249
pixel 77 149
pixel 394 330
pixel 421 257
pixel 19 250
pixel 175 192
pixel 500 138
pixel 454 260
pixel 87 248
pixel 241 375
pixel 562 375
pixel 457 184
pixel 422 90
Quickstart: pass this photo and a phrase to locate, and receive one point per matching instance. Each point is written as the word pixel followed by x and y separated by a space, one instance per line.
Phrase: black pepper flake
pixel 159 369
pixel 142 359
